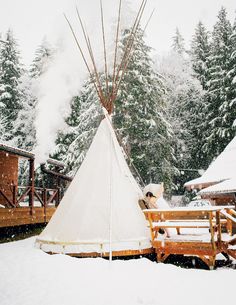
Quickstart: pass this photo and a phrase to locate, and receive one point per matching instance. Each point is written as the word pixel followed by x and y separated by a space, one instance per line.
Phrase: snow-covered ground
pixel 31 277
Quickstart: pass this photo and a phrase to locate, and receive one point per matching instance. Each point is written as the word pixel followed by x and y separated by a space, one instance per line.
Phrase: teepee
pixel 99 214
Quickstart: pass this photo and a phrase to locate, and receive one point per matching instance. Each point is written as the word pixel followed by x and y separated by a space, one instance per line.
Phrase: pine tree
pixel 178 43
pixel 185 99
pixel 218 123
pixel 24 128
pixel 200 58
pixel 140 118
pixel 26 137
pixel 43 56
pixel 10 74
pixel 229 107
pixel 200 49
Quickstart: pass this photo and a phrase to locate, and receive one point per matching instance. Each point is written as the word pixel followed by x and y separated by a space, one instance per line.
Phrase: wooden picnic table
pixel 204 237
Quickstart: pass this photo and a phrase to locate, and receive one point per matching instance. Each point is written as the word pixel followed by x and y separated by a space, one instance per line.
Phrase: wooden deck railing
pixel 21 205
pixel 18 196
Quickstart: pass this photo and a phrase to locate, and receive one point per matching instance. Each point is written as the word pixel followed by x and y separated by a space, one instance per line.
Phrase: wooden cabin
pixel 223 193
pixel 27 204
pixel 218 182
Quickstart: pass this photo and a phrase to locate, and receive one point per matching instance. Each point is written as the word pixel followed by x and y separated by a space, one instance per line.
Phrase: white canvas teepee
pixel 99 212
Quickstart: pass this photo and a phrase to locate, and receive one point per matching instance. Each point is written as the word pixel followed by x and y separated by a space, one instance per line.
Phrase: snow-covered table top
pixel 191 209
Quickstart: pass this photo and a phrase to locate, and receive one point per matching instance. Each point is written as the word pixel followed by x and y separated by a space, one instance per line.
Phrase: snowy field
pixel 31 277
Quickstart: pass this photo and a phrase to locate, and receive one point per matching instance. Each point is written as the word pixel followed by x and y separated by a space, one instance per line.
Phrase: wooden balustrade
pixel 28 204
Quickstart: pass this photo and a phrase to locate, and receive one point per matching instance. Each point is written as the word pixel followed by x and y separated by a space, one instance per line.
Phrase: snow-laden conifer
pixel 178 43
pixel 184 96
pixel 10 73
pixel 218 122
pixel 200 49
pixel 140 116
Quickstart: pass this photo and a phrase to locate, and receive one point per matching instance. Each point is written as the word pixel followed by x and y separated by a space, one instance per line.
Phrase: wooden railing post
pixel 45 203
pixel 58 197
pixel 31 183
pixel 212 231
pixel 218 225
pixel 14 195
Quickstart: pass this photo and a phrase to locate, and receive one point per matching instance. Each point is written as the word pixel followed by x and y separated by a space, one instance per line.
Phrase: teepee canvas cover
pixel 99 212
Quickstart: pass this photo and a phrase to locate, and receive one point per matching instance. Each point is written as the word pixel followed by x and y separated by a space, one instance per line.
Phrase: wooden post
pixel 14 194
pixel 31 184
pixel 58 196
pixel 151 226
pixel 212 231
pixel 45 203
pixel 218 224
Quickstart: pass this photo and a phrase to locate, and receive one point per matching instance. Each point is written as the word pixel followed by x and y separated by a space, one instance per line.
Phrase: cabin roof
pixel 222 168
pixel 16 151
pixel 225 187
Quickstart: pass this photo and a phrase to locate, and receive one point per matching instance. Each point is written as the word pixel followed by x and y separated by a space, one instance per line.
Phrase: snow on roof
pixel 228 186
pixel 16 151
pixel 222 168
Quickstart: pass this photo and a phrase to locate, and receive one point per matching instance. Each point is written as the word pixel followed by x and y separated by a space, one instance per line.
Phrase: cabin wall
pixel 8 174
pixel 222 199
pixel 225 200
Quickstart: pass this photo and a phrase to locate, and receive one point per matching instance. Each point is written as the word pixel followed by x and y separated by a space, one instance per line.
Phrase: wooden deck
pixel 25 215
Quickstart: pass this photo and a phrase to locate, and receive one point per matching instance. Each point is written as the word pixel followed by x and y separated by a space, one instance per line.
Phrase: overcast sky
pixel 31 20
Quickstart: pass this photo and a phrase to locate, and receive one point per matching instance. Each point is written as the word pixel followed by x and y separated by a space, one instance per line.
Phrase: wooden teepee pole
pixel 82 54
pixel 104 52
pixel 89 47
pixel 127 56
pixel 116 44
pixel 128 49
pixel 107 99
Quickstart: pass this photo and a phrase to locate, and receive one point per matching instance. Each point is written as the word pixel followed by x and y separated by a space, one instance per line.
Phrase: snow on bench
pixel 199 232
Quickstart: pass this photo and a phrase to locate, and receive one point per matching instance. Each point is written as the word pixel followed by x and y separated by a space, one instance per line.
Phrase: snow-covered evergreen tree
pixel 140 117
pixel 178 43
pixel 229 107
pixel 218 122
pixel 200 49
pixel 24 128
pixel 184 95
pixel 10 73
pixel 43 56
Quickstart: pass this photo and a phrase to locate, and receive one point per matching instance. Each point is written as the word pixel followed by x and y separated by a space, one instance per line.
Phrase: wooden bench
pixel 205 241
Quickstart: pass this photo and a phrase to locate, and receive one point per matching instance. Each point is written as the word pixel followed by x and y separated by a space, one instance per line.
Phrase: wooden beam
pixel 10 203
pixel 31 184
